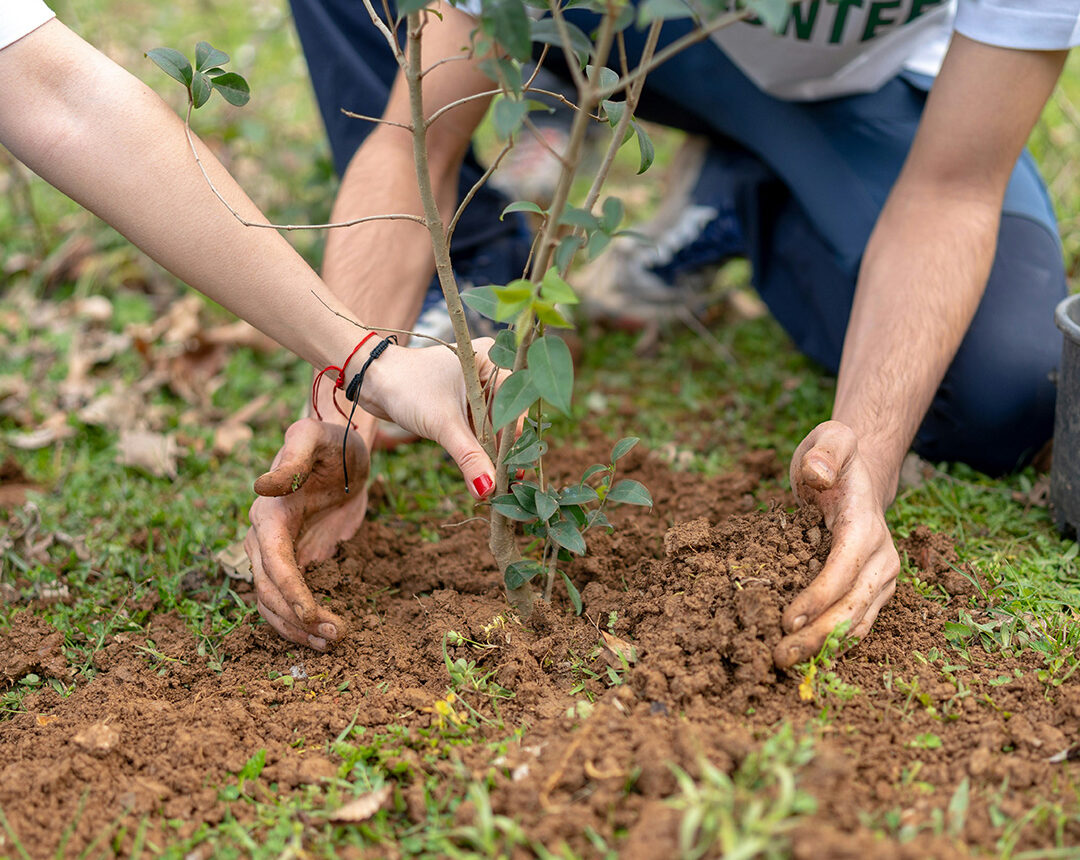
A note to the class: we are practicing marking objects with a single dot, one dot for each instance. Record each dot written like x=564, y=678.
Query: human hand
x=829, y=472
x=423, y=392
x=303, y=512
x=300, y=516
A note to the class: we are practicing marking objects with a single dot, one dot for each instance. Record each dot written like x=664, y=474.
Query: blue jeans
x=806, y=181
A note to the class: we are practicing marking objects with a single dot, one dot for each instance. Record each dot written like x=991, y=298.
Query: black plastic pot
x=1065, y=471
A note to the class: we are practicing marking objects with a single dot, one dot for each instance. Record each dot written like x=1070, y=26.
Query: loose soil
x=695, y=588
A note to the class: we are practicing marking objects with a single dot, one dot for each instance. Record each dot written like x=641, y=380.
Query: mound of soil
x=669, y=666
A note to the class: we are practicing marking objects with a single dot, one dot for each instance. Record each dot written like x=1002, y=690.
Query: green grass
x=760, y=394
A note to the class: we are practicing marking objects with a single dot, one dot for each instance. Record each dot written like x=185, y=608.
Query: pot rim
x=1067, y=317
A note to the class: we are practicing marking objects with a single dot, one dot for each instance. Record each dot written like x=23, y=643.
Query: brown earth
x=695, y=608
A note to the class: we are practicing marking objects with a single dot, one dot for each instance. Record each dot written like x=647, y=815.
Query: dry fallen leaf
x=229, y=436
x=155, y=453
x=365, y=806
x=1068, y=754
x=619, y=648
x=116, y=409
x=45, y=719
x=53, y=429
x=234, y=561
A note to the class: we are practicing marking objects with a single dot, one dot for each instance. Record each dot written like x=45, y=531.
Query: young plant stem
x=588, y=98
x=433, y=219
x=633, y=95
x=501, y=533
x=502, y=530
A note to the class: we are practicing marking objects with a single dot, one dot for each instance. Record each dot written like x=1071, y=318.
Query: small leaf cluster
x=559, y=518
x=207, y=76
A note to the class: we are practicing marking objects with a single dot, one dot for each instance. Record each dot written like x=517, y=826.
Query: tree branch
x=432, y=216
x=468, y=198
x=194, y=151
x=381, y=328
x=623, y=125
x=379, y=119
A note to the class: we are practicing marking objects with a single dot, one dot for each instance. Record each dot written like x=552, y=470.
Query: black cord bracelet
x=352, y=392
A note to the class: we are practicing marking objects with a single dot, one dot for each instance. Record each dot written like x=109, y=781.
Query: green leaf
x=512, y=299
x=574, y=217
x=200, y=89
x=546, y=32
x=958, y=808
x=514, y=396
x=407, y=7
x=598, y=241
x=520, y=572
x=507, y=116
x=645, y=147
x=554, y=289
x=525, y=493
x=207, y=56
x=604, y=77
x=546, y=505
x=505, y=72
x=576, y=513
x=630, y=492
x=663, y=10
x=594, y=469
x=566, y=535
x=548, y=314
x=575, y=595
x=521, y=206
x=233, y=88
x=774, y=13
x=482, y=300
x=614, y=111
x=503, y=351
x=578, y=495
x=599, y=518
x=623, y=447
x=508, y=506
x=612, y=214
x=564, y=253
x=508, y=23
x=527, y=456
x=254, y=765
x=552, y=371
x=173, y=63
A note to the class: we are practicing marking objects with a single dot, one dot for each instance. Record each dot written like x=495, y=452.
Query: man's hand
x=859, y=577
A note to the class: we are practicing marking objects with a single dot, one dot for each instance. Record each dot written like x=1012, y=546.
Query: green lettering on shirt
x=875, y=19
x=842, y=7
x=804, y=28
x=920, y=6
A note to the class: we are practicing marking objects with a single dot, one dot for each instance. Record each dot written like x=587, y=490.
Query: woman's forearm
x=109, y=142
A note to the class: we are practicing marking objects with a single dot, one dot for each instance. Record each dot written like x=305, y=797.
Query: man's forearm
x=921, y=281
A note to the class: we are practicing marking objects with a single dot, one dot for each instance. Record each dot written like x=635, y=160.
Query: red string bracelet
x=339, y=383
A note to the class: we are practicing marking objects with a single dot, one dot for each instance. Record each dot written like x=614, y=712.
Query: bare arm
x=922, y=278
x=912, y=309
x=109, y=142
x=389, y=289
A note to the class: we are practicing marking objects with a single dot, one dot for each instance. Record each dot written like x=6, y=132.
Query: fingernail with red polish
x=482, y=486
x=519, y=474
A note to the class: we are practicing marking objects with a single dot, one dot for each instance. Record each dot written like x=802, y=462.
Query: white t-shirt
x=19, y=17
x=839, y=47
